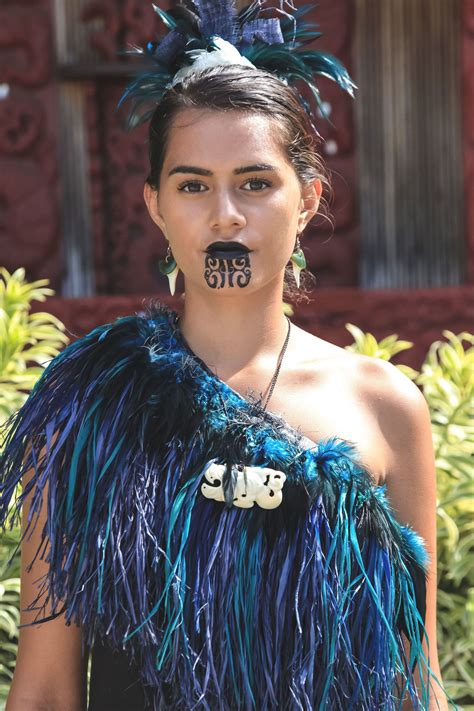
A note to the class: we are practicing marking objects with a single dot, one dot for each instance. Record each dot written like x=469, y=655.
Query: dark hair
x=242, y=88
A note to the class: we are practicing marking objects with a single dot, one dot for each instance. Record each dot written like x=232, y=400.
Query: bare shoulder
x=398, y=401
x=387, y=385
x=316, y=351
x=380, y=381
x=365, y=370
x=384, y=412
x=404, y=419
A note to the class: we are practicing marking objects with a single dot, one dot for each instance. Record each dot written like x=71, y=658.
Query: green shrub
x=27, y=342
x=447, y=383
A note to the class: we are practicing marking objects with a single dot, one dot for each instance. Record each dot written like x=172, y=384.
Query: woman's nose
x=226, y=211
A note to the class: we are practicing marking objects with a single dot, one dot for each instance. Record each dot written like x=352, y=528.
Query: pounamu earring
x=169, y=267
x=298, y=260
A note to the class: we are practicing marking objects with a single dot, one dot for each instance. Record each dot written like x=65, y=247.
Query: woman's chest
x=326, y=404
x=343, y=415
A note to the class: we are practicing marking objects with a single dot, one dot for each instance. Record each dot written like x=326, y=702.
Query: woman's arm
x=404, y=417
x=50, y=671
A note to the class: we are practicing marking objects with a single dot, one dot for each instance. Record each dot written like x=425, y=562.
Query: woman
x=214, y=548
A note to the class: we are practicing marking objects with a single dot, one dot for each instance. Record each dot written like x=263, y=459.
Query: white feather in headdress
x=225, y=53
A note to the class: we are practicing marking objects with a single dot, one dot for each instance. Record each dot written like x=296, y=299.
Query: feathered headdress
x=205, y=33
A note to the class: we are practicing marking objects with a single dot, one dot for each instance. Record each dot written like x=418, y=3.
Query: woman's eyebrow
x=238, y=171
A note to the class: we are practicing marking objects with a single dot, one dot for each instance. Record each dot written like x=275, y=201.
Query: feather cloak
x=304, y=606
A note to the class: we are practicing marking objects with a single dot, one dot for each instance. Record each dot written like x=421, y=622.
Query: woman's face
x=225, y=178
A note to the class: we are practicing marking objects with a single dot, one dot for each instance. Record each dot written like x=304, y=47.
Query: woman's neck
x=231, y=334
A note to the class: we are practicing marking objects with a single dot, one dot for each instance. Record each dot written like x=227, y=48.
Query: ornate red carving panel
x=29, y=234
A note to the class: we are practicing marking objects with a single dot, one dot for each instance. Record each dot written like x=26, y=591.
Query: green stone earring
x=169, y=267
x=298, y=261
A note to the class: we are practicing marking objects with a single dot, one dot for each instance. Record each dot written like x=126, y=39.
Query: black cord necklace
x=272, y=383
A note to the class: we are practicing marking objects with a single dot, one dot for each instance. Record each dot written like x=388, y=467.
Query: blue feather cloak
x=304, y=606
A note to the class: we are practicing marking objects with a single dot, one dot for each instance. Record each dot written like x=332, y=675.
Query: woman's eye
x=259, y=181
x=186, y=185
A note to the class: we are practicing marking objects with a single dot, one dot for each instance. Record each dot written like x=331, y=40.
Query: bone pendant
x=255, y=485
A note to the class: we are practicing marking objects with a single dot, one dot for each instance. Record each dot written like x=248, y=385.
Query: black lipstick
x=227, y=250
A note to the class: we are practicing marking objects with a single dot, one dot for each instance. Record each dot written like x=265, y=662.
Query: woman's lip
x=227, y=253
x=228, y=248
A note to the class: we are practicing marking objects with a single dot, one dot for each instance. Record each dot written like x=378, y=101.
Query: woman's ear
x=310, y=197
x=151, y=200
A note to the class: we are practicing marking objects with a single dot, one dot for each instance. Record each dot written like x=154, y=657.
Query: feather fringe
x=303, y=606
x=273, y=44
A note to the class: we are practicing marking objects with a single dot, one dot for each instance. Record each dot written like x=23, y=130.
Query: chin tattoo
x=227, y=271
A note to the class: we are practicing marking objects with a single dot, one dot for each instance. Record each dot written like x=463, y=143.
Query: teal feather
x=166, y=17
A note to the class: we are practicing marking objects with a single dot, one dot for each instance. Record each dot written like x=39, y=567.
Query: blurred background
x=401, y=256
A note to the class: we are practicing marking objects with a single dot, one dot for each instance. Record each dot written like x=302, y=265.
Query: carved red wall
x=29, y=225
x=127, y=246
